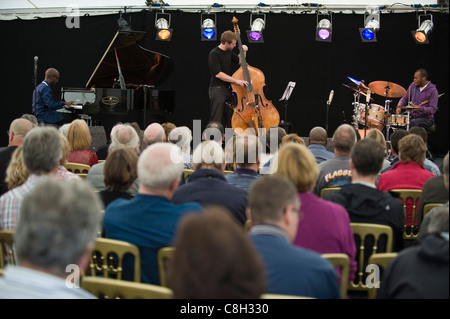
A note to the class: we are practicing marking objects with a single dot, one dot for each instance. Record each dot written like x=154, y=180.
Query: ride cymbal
x=387, y=89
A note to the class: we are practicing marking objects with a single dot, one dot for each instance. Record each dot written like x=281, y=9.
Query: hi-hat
x=387, y=89
x=353, y=88
x=358, y=83
x=410, y=108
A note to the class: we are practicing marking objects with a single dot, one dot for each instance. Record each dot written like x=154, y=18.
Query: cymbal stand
x=356, y=109
x=386, y=109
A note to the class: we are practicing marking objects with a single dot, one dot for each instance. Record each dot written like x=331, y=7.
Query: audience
x=421, y=271
x=168, y=127
x=182, y=136
x=317, y=142
x=120, y=172
x=214, y=130
x=246, y=155
x=63, y=173
x=41, y=151
x=362, y=200
x=376, y=135
x=325, y=226
x=154, y=133
x=31, y=118
x=336, y=171
x=208, y=186
x=274, y=209
x=225, y=266
x=53, y=233
x=149, y=220
x=80, y=139
x=427, y=163
x=395, y=139
x=16, y=133
x=293, y=138
x=274, y=138
x=16, y=173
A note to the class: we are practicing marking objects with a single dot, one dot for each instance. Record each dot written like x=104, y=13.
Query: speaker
x=98, y=135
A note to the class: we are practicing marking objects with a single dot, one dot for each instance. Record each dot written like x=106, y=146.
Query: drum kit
x=367, y=116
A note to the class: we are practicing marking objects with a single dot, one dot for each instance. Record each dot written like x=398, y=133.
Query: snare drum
x=398, y=120
x=376, y=116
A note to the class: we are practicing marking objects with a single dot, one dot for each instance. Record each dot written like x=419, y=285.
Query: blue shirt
x=320, y=153
x=45, y=105
x=292, y=270
x=148, y=222
x=242, y=178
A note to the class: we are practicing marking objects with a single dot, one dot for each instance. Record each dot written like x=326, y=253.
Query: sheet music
x=287, y=93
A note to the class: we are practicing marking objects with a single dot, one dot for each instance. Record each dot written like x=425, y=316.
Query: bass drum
x=376, y=116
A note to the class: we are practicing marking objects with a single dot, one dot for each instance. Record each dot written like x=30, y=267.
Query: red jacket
x=404, y=176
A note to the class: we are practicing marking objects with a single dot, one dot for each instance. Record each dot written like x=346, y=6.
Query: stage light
x=371, y=27
x=163, y=31
x=421, y=34
x=208, y=29
x=255, y=33
x=324, y=30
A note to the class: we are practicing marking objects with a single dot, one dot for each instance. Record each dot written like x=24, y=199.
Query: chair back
x=164, y=255
x=428, y=207
x=6, y=248
x=342, y=262
x=77, y=168
x=107, y=288
x=369, y=235
x=108, y=255
x=325, y=190
x=410, y=200
x=381, y=260
x=247, y=225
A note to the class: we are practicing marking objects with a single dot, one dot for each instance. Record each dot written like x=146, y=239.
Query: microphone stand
x=33, y=111
x=326, y=122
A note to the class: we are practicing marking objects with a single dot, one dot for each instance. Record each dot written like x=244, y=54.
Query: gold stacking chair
x=6, y=248
x=363, y=231
x=411, y=231
x=107, y=258
x=428, y=207
x=325, y=190
x=77, y=168
x=164, y=255
x=107, y=288
x=247, y=225
x=280, y=296
x=381, y=260
x=343, y=262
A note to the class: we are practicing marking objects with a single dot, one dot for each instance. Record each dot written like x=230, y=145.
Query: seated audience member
x=182, y=136
x=362, y=200
x=317, y=142
x=16, y=133
x=63, y=129
x=218, y=242
x=293, y=138
x=421, y=271
x=208, y=186
x=80, y=139
x=102, y=150
x=336, y=171
x=154, y=133
x=395, y=138
x=31, y=118
x=427, y=163
x=274, y=137
x=409, y=172
x=16, y=173
x=120, y=172
x=168, y=127
x=325, y=226
x=122, y=136
x=63, y=173
x=41, y=151
x=53, y=242
x=246, y=156
x=434, y=191
x=378, y=137
x=140, y=134
x=149, y=220
x=274, y=209
x=214, y=131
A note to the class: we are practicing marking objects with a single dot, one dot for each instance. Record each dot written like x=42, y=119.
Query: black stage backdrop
x=289, y=53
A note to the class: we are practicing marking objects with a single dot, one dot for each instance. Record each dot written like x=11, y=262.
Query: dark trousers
x=220, y=112
x=421, y=121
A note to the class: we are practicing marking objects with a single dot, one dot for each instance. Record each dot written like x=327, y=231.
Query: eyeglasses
x=57, y=77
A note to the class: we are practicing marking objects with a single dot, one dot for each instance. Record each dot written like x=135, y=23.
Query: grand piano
x=124, y=85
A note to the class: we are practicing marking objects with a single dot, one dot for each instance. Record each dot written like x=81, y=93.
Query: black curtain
x=289, y=53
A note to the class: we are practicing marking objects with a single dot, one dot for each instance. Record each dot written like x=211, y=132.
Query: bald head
x=154, y=133
x=52, y=76
x=344, y=138
x=17, y=131
x=318, y=135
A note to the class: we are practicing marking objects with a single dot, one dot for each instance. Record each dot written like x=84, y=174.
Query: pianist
x=45, y=108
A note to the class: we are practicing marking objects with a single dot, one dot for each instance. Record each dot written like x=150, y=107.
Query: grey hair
x=124, y=136
x=159, y=165
x=344, y=138
x=63, y=129
x=209, y=154
x=181, y=136
x=445, y=167
x=42, y=149
x=56, y=231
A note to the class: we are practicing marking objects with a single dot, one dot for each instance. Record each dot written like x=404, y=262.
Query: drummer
x=424, y=95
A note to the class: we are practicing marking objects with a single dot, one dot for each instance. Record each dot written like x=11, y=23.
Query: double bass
x=253, y=110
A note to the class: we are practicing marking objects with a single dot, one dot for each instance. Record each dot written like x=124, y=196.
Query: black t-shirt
x=221, y=61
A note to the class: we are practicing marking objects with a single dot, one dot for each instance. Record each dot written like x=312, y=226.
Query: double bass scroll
x=252, y=106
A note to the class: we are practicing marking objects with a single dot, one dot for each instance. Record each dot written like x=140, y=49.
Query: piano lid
x=139, y=66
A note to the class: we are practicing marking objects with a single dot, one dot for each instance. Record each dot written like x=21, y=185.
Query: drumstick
x=425, y=102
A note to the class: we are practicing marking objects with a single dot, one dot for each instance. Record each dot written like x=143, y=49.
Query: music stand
x=286, y=95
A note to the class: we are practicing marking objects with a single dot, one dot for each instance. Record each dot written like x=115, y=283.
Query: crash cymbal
x=387, y=89
x=358, y=83
x=410, y=108
x=354, y=88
